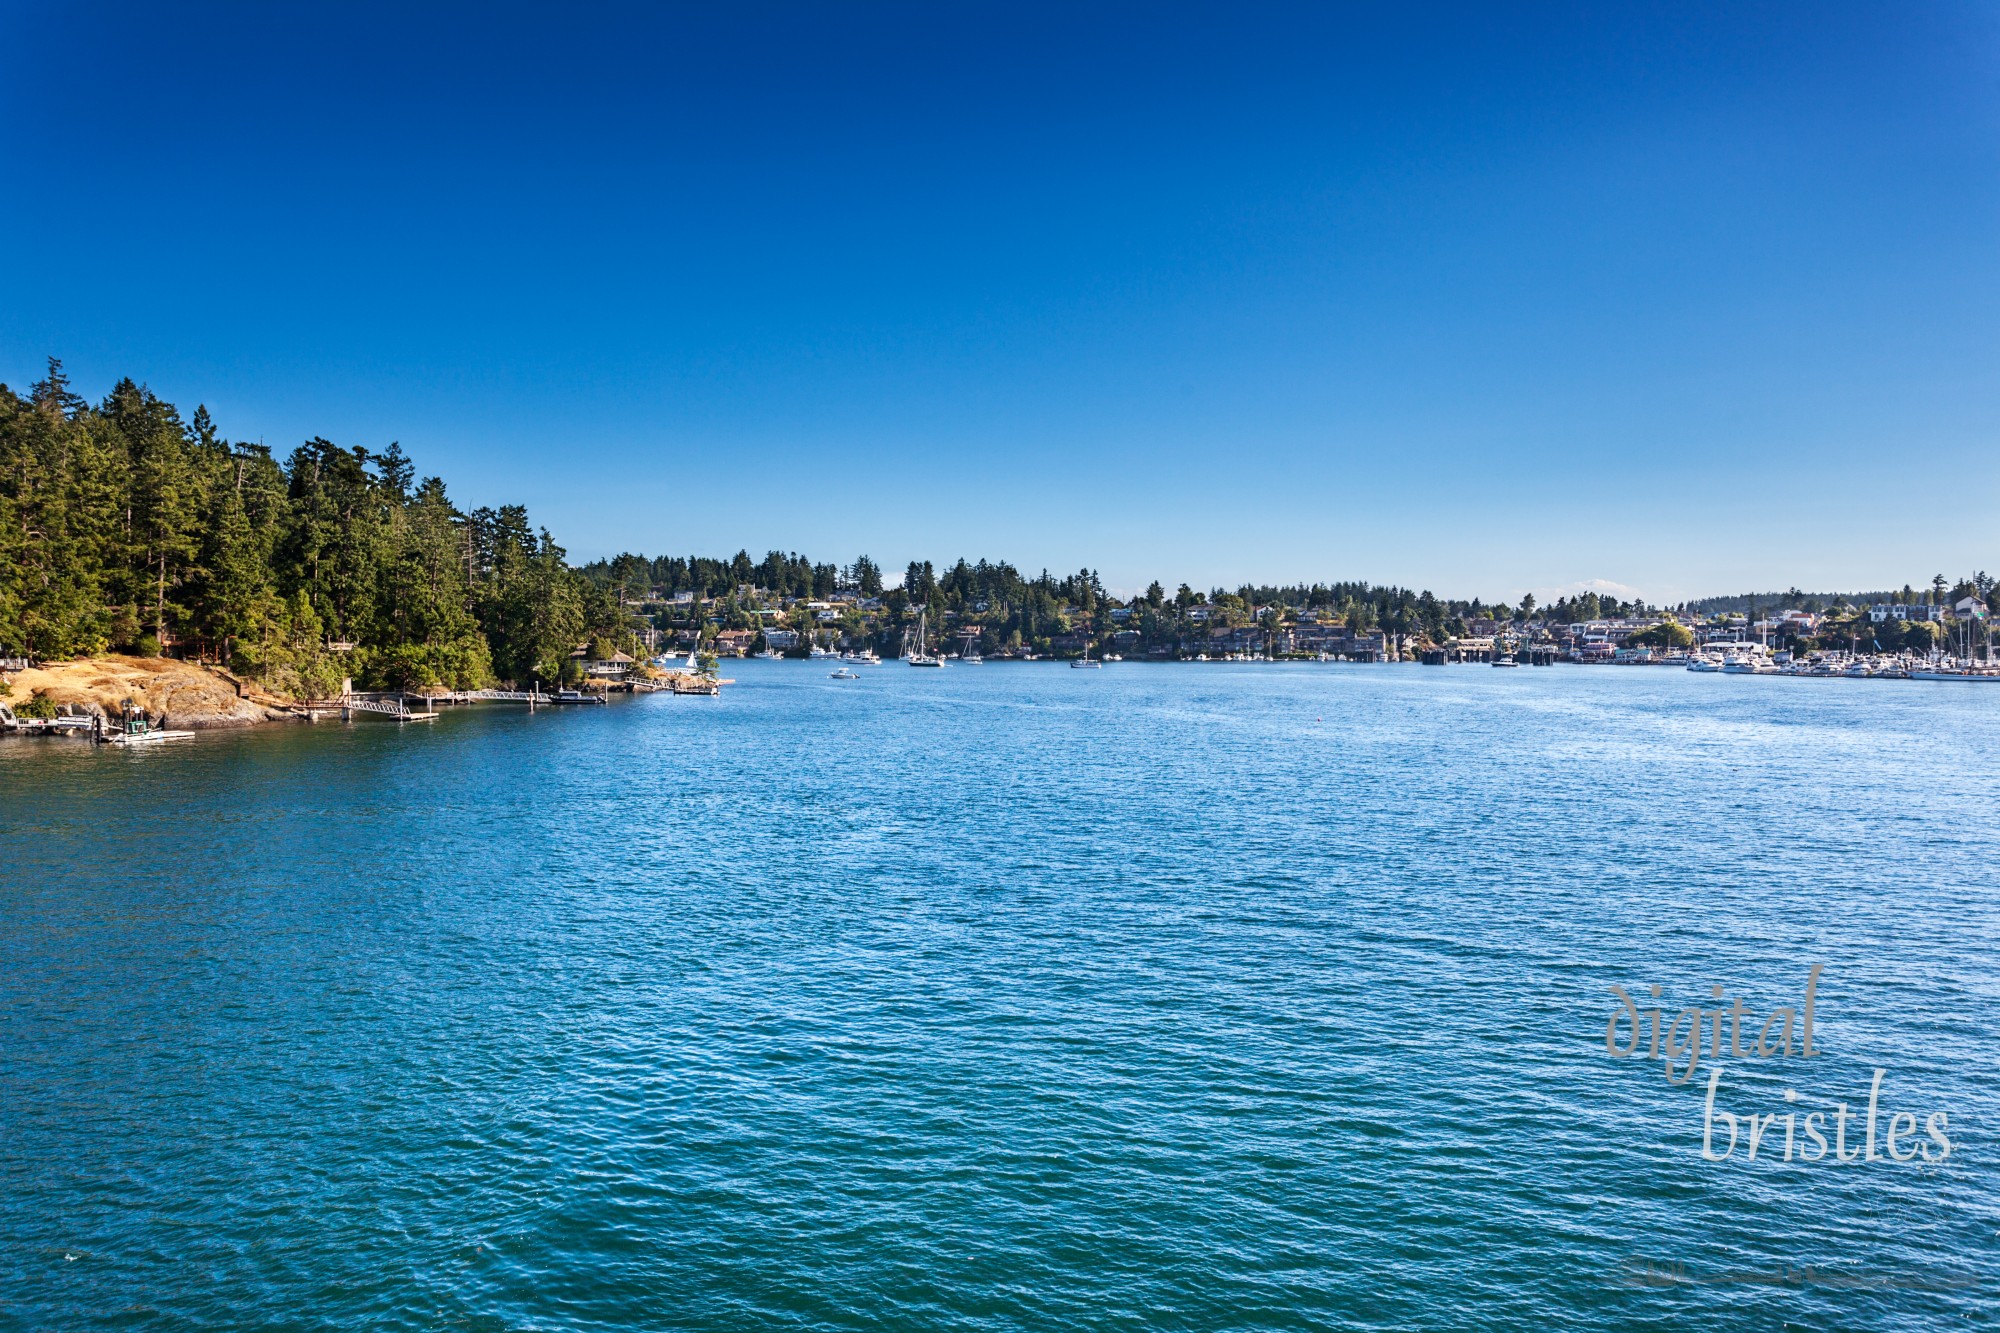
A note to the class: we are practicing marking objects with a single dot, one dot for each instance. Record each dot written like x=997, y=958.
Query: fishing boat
x=135, y=728
x=1505, y=662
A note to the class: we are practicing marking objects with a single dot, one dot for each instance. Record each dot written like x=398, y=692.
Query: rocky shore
x=184, y=695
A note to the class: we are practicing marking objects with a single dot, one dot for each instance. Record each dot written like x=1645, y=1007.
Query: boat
x=133, y=728
x=577, y=697
x=145, y=737
x=1505, y=662
x=842, y=673
x=1085, y=660
x=1951, y=671
x=922, y=657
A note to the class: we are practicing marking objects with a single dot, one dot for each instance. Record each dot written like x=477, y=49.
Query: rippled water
x=1001, y=997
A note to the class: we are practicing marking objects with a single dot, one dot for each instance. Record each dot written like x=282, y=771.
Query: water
x=1008, y=997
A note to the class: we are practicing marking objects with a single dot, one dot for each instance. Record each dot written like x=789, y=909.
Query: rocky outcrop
x=182, y=695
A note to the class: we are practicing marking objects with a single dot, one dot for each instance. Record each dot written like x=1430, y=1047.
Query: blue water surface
x=1004, y=997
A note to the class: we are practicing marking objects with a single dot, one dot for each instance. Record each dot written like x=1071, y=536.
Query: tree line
x=1010, y=607
x=125, y=527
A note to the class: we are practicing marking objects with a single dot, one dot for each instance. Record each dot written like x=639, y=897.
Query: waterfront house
x=1369, y=647
x=615, y=667
x=1245, y=639
x=1317, y=638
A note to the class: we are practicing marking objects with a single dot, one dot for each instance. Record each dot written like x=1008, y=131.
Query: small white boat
x=145, y=737
x=844, y=674
x=132, y=729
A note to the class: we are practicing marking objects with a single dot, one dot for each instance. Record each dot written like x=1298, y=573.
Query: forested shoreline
x=126, y=528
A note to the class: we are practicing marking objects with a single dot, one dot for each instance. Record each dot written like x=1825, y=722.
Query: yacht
x=842, y=673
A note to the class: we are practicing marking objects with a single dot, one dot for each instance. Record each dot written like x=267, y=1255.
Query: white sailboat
x=922, y=657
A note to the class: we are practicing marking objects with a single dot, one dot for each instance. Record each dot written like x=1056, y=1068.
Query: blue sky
x=1676, y=298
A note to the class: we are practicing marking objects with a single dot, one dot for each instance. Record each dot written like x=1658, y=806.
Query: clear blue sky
x=1487, y=299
